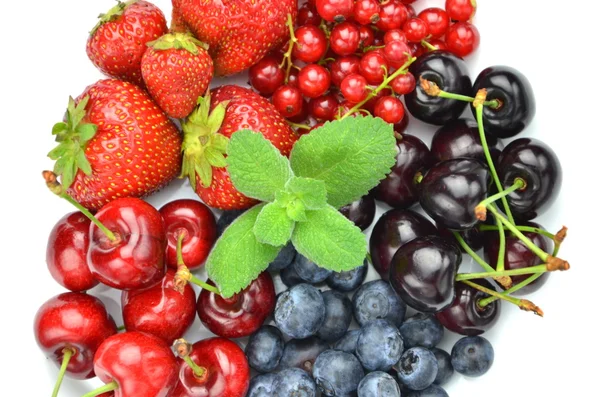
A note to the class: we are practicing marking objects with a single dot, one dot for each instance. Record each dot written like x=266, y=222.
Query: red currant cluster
x=347, y=56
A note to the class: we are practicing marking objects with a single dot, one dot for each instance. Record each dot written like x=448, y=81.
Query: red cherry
x=390, y=109
x=410, y=9
x=437, y=19
x=392, y=15
x=307, y=15
x=345, y=38
x=335, y=10
x=288, y=101
x=66, y=253
x=266, y=76
x=313, y=80
x=342, y=67
x=373, y=66
x=135, y=259
x=396, y=53
x=403, y=84
x=311, y=44
x=367, y=36
x=366, y=12
x=461, y=10
x=415, y=29
x=394, y=35
x=323, y=107
x=354, y=88
x=462, y=39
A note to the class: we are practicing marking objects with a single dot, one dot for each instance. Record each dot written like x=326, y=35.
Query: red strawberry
x=177, y=70
x=206, y=134
x=115, y=142
x=118, y=42
x=238, y=32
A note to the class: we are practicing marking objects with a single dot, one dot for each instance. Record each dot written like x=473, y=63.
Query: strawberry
x=206, y=133
x=238, y=32
x=177, y=70
x=115, y=142
x=117, y=43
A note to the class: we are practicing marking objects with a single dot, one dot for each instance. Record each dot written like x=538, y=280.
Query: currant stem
x=103, y=389
x=432, y=89
x=428, y=45
x=298, y=126
x=67, y=354
x=515, y=272
x=287, y=57
x=183, y=275
x=486, y=301
x=523, y=304
x=183, y=349
x=480, y=209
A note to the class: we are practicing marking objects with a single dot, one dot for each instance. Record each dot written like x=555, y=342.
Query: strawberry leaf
x=68, y=171
x=59, y=128
x=273, y=226
x=83, y=163
x=86, y=132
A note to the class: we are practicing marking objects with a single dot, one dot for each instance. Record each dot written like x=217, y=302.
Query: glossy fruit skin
x=307, y=15
x=538, y=165
x=344, y=39
x=335, y=10
x=464, y=316
x=136, y=260
x=311, y=45
x=450, y=73
x=422, y=273
x=392, y=230
x=342, y=67
x=197, y=223
x=390, y=109
x=461, y=10
x=452, y=189
x=323, y=107
x=228, y=370
x=437, y=20
x=473, y=237
x=302, y=353
x=288, y=101
x=462, y=39
x=160, y=310
x=73, y=320
x=416, y=29
x=392, y=15
x=266, y=76
x=472, y=356
x=243, y=313
x=313, y=80
x=361, y=212
x=66, y=252
x=399, y=189
x=514, y=90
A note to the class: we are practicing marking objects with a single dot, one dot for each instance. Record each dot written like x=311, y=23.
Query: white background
x=43, y=61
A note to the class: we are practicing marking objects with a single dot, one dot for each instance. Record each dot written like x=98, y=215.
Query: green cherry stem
x=103, y=389
x=287, y=57
x=515, y=272
x=523, y=304
x=480, y=209
x=183, y=274
x=486, y=301
x=183, y=349
x=67, y=354
x=501, y=247
x=432, y=89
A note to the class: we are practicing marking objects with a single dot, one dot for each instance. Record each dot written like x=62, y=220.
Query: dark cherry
x=518, y=256
x=450, y=73
x=243, y=313
x=537, y=164
x=66, y=253
x=464, y=316
x=514, y=91
x=451, y=190
x=391, y=231
x=473, y=237
x=399, y=189
x=422, y=272
x=361, y=211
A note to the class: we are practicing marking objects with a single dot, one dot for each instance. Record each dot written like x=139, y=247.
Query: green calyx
x=203, y=146
x=112, y=14
x=178, y=41
x=72, y=136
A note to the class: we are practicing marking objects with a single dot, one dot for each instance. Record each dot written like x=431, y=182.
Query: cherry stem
x=480, y=209
x=486, y=301
x=523, y=304
x=121, y=327
x=184, y=275
x=472, y=253
x=428, y=45
x=183, y=349
x=287, y=57
x=67, y=354
x=529, y=229
x=432, y=89
x=501, y=247
x=299, y=126
x=515, y=272
x=103, y=389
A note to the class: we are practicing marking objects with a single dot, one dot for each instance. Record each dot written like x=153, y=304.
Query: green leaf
x=58, y=151
x=83, y=163
x=311, y=192
x=255, y=166
x=273, y=226
x=351, y=156
x=330, y=240
x=296, y=211
x=204, y=171
x=68, y=172
x=238, y=257
x=86, y=131
x=59, y=127
x=214, y=157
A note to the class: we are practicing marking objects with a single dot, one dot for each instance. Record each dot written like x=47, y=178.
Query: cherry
x=391, y=231
x=396, y=53
x=410, y=9
x=323, y=107
x=461, y=10
x=474, y=237
x=354, y=88
x=307, y=15
x=462, y=39
x=464, y=316
x=345, y=38
x=415, y=29
x=266, y=76
x=243, y=313
x=66, y=253
x=437, y=19
x=193, y=223
x=450, y=191
x=403, y=84
x=342, y=67
x=311, y=44
x=313, y=81
x=373, y=66
x=288, y=101
x=392, y=15
x=366, y=12
x=394, y=35
x=389, y=109
x=422, y=272
x=335, y=10
x=401, y=127
x=399, y=189
x=361, y=212
x=210, y=368
x=160, y=310
x=366, y=35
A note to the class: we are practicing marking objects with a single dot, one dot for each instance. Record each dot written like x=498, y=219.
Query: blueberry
x=337, y=373
x=422, y=330
x=300, y=311
x=431, y=391
x=417, y=368
x=377, y=299
x=348, y=281
x=264, y=348
x=294, y=382
x=302, y=353
x=347, y=343
x=261, y=386
x=379, y=345
x=378, y=384
x=445, y=369
x=226, y=218
x=289, y=277
x=309, y=271
x=283, y=259
x=472, y=356
x=338, y=316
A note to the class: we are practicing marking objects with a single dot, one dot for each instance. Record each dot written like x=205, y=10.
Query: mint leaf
x=255, y=166
x=330, y=240
x=238, y=258
x=311, y=192
x=296, y=211
x=273, y=226
x=351, y=156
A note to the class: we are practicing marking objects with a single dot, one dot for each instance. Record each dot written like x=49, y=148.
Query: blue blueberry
x=350, y=280
x=264, y=348
x=283, y=259
x=226, y=218
x=378, y=384
x=309, y=271
x=337, y=373
x=289, y=277
x=472, y=356
x=379, y=345
x=417, y=368
x=347, y=343
x=422, y=330
x=377, y=299
x=431, y=391
x=302, y=353
x=294, y=382
x=261, y=386
x=300, y=311
x=338, y=316
x=445, y=369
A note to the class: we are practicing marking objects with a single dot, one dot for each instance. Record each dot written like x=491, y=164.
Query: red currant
x=462, y=38
x=311, y=44
x=394, y=35
x=354, y=88
x=396, y=53
x=438, y=44
x=335, y=10
x=323, y=107
x=415, y=29
x=366, y=12
x=392, y=15
x=293, y=77
x=461, y=10
x=313, y=80
x=369, y=106
x=408, y=1
x=344, y=39
x=437, y=20
x=342, y=67
x=404, y=84
x=307, y=15
x=367, y=36
x=343, y=108
x=390, y=109
x=266, y=76
x=302, y=117
x=373, y=66
x=288, y=101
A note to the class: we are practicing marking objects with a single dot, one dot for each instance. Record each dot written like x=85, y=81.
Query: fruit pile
x=294, y=169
